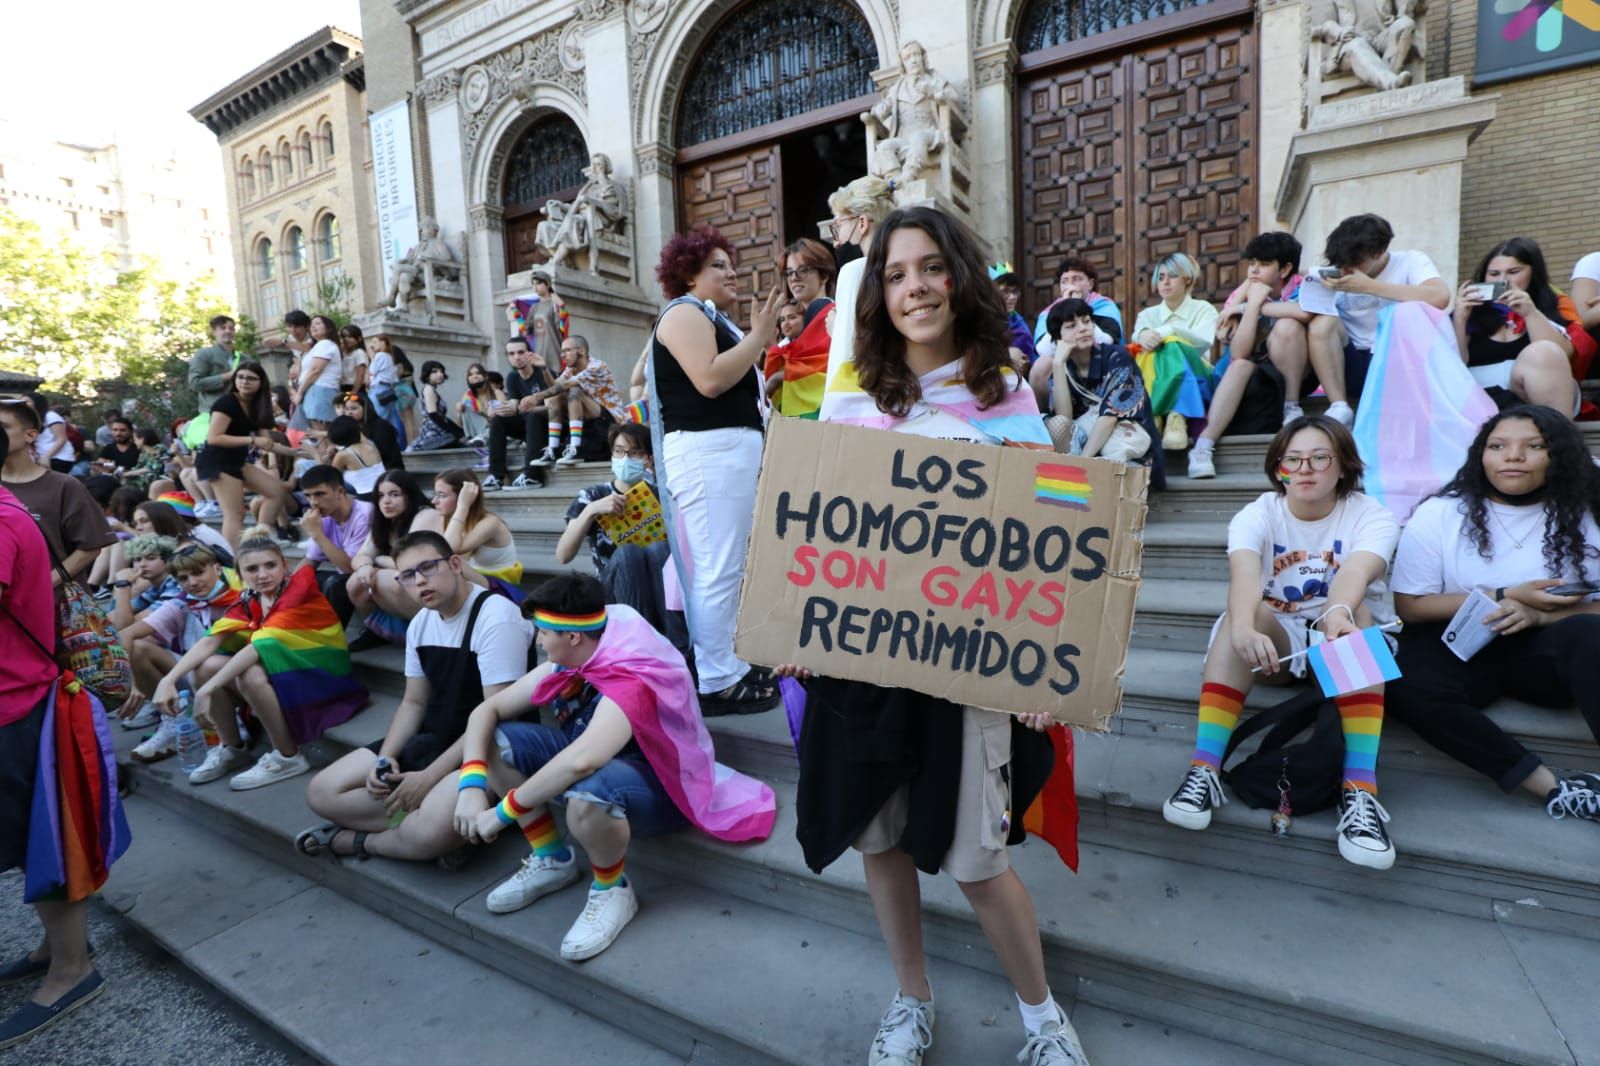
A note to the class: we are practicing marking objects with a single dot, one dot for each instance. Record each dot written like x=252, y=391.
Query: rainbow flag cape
x=804, y=362
x=1419, y=410
x=1176, y=378
x=1014, y=420
x=639, y=670
x=76, y=827
x=303, y=651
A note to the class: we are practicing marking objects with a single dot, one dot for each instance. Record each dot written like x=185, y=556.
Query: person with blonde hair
x=857, y=209
x=1174, y=336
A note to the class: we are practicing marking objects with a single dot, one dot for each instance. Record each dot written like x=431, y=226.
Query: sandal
x=757, y=691
x=314, y=842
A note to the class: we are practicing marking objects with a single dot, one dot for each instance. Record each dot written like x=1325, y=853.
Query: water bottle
x=385, y=768
x=191, y=743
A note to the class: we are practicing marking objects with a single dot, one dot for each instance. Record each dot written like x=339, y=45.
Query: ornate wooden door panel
x=1195, y=157
x=741, y=195
x=1072, y=176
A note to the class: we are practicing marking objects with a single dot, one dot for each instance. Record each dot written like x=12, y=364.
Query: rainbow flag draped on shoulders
x=804, y=362
x=1014, y=420
x=1419, y=410
x=302, y=648
x=1176, y=378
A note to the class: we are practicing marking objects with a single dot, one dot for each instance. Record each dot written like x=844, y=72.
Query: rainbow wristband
x=509, y=811
x=474, y=774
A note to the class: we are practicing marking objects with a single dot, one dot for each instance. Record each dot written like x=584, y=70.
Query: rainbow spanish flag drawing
x=1062, y=486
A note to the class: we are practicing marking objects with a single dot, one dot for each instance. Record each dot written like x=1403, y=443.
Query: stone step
x=1176, y=614
x=1209, y=500
x=341, y=981
x=1191, y=548
x=772, y=986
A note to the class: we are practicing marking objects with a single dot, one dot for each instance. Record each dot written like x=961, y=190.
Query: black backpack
x=1314, y=768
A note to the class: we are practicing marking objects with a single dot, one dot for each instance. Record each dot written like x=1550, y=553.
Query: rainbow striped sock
x=1219, y=713
x=544, y=840
x=575, y=432
x=1361, y=718
x=608, y=876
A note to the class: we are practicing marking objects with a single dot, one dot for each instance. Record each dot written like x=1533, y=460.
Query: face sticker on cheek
x=949, y=284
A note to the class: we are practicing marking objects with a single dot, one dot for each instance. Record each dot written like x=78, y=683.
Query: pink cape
x=640, y=671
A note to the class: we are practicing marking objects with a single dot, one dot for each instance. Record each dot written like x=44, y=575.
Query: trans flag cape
x=1419, y=410
x=640, y=671
x=1014, y=420
x=1176, y=378
x=804, y=362
x=302, y=649
x=76, y=828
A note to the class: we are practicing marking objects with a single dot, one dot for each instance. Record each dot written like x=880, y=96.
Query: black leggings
x=1442, y=698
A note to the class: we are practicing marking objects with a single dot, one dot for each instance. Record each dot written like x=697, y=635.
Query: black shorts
x=19, y=763
x=212, y=462
x=418, y=753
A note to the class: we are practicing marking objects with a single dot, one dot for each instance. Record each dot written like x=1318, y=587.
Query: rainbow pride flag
x=639, y=411
x=302, y=648
x=804, y=362
x=1014, y=420
x=1062, y=486
x=1419, y=410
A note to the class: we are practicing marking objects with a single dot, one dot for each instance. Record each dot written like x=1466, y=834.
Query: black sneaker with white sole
x=1577, y=796
x=1362, y=838
x=1190, y=807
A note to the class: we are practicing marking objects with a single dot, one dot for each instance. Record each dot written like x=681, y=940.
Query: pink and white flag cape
x=639, y=670
x=1353, y=662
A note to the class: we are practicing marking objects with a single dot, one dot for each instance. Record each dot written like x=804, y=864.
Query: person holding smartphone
x=1519, y=522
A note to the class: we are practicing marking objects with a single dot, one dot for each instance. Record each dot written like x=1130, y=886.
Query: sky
x=90, y=71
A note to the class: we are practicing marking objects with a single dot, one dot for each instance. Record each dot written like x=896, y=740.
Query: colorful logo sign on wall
x=1517, y=38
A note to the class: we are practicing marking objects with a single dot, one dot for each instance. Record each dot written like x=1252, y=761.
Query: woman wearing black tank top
x=709, y=395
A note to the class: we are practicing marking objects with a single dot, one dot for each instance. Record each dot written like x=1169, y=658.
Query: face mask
x=629, y=471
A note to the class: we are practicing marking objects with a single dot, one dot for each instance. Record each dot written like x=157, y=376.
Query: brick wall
x=1532, y=171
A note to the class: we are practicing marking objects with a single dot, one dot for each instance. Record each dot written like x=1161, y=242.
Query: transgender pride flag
x=1419, y=410
x=1352, y=663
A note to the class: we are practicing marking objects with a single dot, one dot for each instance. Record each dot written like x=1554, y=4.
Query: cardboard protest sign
x=996, y=577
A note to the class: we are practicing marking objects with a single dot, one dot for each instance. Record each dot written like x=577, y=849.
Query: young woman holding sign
x=1307, y=558
x=909, y=780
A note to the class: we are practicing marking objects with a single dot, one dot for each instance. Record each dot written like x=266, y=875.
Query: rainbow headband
x=570, y=623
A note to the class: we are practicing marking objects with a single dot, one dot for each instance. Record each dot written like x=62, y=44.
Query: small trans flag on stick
x=1354, y=662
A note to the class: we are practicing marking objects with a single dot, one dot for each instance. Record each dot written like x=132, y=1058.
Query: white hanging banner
x=394, y=183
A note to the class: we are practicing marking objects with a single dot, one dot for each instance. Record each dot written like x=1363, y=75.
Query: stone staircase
x=1169, y=947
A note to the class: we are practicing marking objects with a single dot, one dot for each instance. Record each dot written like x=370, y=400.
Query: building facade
x=294, y=145
x=1119, y=130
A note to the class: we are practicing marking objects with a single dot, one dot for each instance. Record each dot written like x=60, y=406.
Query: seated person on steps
x=337, y=525
x=1175, y=395
x=464, y=645
x=1306, y=563
x=520, y=414
x=586, y=390
x=1086, y=371
x=1518, y=522
x=374, y=587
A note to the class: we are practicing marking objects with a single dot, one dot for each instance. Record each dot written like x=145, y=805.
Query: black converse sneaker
x=1578, y=796
x=1362, y=838
x=1190, y=806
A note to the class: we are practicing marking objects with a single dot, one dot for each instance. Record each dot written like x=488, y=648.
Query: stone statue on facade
x=598, y=212
x=911, y=127
x=1371, y=40
x=427, y=265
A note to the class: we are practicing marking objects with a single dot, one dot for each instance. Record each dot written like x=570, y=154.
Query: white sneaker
x=568, y=457
x=1201, y=464
x=523, y=481
x=603, y=917
x=1342, y=413
x=147, y=716
x=1292, y=411
x=161, y=744
x=220, y=760
x=1055, y=1044
x=208, y=509
x=1362, y=838
x=546, y=457
x=537, y=876
x=904, y=1034
x=270, y=768
x=1190, y=807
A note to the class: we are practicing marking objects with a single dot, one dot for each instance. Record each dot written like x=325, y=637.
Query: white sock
x=1203, y=444
x=1035, y=1017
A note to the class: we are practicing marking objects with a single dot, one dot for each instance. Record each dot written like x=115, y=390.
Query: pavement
x=152, y=1013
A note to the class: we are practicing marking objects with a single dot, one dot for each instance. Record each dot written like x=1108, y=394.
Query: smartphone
x=1329, y=273
x=1488, y=291
x=1577, y=588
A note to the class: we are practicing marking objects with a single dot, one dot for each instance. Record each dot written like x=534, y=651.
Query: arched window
x=285, y=160
x=1047, y=23
x=296, y=242
x=546, y=163
x=306, y=159
x=771, y=61
x=247, y=180
x=325, y=134
x=328, y=246
x=264, y=166
x=266, y=263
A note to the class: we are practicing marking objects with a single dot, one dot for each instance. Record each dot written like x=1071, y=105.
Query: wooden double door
x=742, y=196
x=1129, y=155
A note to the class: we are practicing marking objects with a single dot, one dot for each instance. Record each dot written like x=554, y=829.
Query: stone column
x=990, y=149
x=1281, y=59
x=486, y=261
x=443, y=120
x=655, y=220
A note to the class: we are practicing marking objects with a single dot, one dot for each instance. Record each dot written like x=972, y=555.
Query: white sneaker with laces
x=147, y=716
x=604, y=916
x=1342, y=413
x=568, y=457
x=539, y=875
x=546, y=457
x=905, y=1033
x=523, y=481
x=1362, y=838
x=220, y=760
x=1291, y=411
x=1190, y=807
x=1201, y=463
x=1055, y=1044
x=160, y=744
x=269, y=769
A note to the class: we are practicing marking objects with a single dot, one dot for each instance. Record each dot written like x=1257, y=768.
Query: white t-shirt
x=330, y=376
x=1437, y=555
x=1359, y=311
x=499, y=641
x=352, y=360
x=1299, y=560
x=842, y=338
x=54, y=429
x=1587, y=267
x=210, y=537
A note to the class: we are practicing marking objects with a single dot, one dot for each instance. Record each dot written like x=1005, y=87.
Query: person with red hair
x=706, y=424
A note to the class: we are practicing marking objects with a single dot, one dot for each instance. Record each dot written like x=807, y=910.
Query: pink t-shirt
x=26, y=599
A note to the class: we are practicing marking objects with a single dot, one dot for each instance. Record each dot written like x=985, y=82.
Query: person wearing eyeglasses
x=800, y=366
x=1306, y=564
x=857, y=209
x=464, y=645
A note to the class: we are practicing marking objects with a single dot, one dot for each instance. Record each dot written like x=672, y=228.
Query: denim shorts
x=626, y=786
